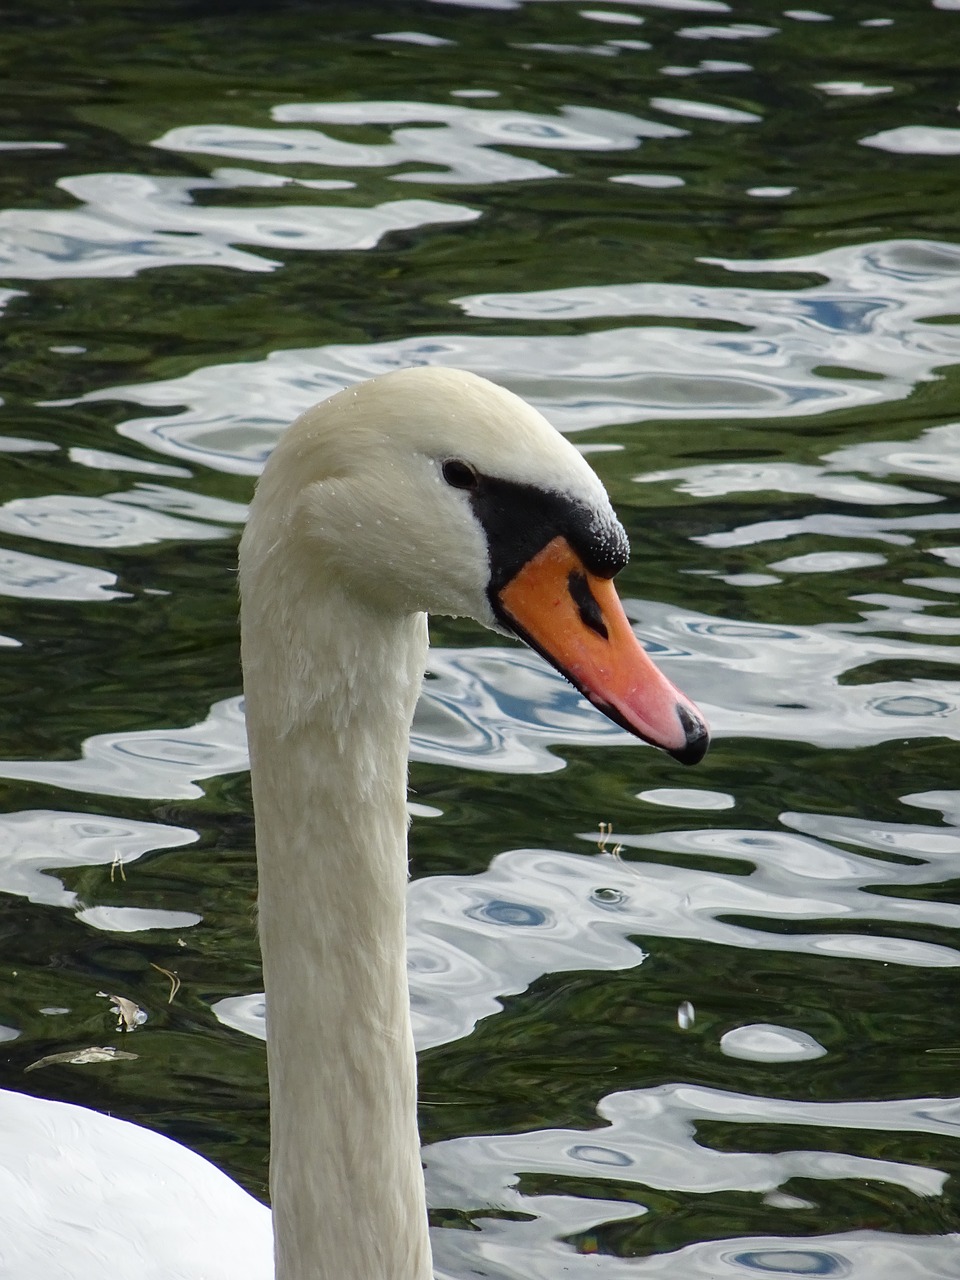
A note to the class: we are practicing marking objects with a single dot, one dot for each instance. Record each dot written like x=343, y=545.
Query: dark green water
x=720, y=245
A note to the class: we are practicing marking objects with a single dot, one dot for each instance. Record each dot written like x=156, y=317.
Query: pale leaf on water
x=82, y=1057
x=129, y=1014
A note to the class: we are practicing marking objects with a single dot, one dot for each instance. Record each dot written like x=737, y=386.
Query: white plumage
x=84, y=1196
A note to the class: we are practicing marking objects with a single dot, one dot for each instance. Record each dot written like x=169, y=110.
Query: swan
x=425, y=490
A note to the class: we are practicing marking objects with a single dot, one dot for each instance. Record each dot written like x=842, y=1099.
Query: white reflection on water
x=135, y=518
x=128, y=222
x=717, y=479
x=493, y=709
x=707, y=66
x=657, y=181
x=731, y=31
x=870, y=316
x=934, y=455
x=113, y=919
x=679, y=6
x=470, y=944
x=414, y=37
x=152, y=764
x=916, y=139
x=7, y=295
x=933, y=847
x=948, y=802
x=613, y=16
x=687, y=798
x=696, y=110
x=472, y=937
x=766, y=1042
x=829, y=562
x=33, y=844
x=857, y=334
x=28, y=577
x=895, y=531
x=504, y=1250
x=459, y=144
x=852, y=88
x=608, y=50
x=17, y=444
x=107, y=460
x=503, y=709
x=869, y=323
x=780, y=682
x=650, y=1137
x=477, y=938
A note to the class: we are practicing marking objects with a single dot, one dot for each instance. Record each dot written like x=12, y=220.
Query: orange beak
x=575, y=619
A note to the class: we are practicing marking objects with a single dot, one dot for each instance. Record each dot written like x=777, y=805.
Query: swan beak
x=576, y=621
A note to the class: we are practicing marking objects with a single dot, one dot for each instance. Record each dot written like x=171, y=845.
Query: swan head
x=433, y=490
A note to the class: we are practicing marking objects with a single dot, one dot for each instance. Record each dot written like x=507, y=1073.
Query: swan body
x=95, y=1196
x=424, y=490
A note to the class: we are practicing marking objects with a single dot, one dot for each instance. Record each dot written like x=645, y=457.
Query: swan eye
x=460, y=474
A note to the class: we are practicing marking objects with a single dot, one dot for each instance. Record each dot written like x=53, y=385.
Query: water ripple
x=475, y=939
x=151, y=764
x=28, y=577
x=916, y=139
x=704, y=111
x=503, y=709
x=535, y=1249
x=739, y=672
x=35, y=843
x=718, y=479
x=650, y=1137
x=132, y=519
x=459, y=144
x=764, y=1042
x=861, y=658
x=130, y=221
x=897, y=531
x=497, y=708
x=871, y=320
x=471, y=937
x=729, y=31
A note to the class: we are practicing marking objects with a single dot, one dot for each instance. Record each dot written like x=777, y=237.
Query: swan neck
x=331, y=693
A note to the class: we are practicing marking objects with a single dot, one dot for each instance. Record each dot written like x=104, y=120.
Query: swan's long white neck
x=331, y=693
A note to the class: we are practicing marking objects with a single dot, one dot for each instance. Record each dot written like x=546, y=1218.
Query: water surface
x=672, y=1024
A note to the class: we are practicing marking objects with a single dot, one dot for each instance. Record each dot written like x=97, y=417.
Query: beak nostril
x=591, y=615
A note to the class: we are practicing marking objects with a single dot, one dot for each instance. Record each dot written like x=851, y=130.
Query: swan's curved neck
x=331, y=690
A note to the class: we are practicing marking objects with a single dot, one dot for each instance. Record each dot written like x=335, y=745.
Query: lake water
x=674, y=1023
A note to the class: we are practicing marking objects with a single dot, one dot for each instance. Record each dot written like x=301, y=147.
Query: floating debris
x=170, y=974
x=129, y=1014
x=605, y=833
x=82, y=1057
